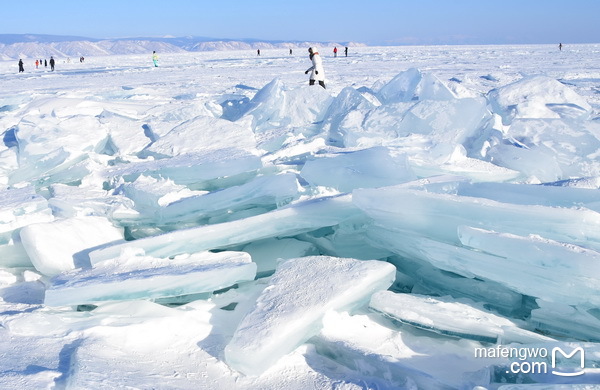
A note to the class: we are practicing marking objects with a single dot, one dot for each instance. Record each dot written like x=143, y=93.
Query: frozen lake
x=216, y=223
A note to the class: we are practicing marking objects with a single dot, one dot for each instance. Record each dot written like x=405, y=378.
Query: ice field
x=216, y=223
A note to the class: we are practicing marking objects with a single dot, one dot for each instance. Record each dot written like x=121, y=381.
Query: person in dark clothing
x=258, y=52
x=346, y=51
x=21, y=68
x=52, y=63
x=45, y=63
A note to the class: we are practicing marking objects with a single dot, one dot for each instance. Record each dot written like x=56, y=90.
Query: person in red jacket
x=335, y=51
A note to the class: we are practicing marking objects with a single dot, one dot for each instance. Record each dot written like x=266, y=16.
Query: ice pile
x=276, y=226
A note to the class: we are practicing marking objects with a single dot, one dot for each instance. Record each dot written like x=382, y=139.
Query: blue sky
x=367, y=21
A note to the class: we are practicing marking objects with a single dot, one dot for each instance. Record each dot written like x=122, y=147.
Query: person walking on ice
x=155, y=59
x=335, y=51
x=318, y=74
x=21, y=68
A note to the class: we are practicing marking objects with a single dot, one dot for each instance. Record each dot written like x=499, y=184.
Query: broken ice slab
x=567, y=321
x=429, y=280
x=274, y=106
x=50, y=146
x=549, y=149
x=538, y=97
x=348, y=103
x=12, y=254
x=412, y=85
x=266, y=192
x=445, y=315
x=208, y=134
x=438, y=216
x=548, y=269
x=290, y=309
x=367, y=168
x=408, y=360
x=39, y=135
x=195, y=170
x=287, y=221
x=136, y=276
x=267, y=253
x=452, y=160
x=62, y=245
x=126, y=136
x=20, y=207
x=548, y=282
x=527, y=194
x=83, y=200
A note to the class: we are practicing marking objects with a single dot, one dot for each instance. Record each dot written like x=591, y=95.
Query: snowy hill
x=14, y=46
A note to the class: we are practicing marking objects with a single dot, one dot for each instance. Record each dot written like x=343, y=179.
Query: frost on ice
x=290, y=309
x=250, y=227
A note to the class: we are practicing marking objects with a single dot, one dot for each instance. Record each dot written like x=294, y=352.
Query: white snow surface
x=216, y=223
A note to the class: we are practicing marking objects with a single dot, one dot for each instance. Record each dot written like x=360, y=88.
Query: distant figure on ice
x=346, y=51
x=155, y=59
x=335, y=51
x=290, y=51
x=52, y=63
x=36, y=63
x=45, y=63
x=560, y=46
x=318, y=73
x=258, y=52
x=21, y=68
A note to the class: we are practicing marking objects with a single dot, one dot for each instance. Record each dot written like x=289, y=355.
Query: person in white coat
x=318, y=74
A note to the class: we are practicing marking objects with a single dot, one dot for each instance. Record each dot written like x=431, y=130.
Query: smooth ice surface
x=374, y=167
x=438, y=216
x=288, y=221
x=542, y=265
x=134, y=275
x=62, y=245
x=290, y=309
x=269, y=252
x=446, y=316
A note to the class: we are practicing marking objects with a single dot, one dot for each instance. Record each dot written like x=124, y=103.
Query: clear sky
x=368, y=21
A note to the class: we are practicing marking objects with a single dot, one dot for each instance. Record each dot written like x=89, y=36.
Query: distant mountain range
x=14, y=46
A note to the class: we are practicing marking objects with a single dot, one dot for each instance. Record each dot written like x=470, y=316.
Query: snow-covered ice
x=291, y=307
x=216, y=223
